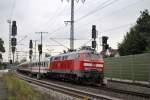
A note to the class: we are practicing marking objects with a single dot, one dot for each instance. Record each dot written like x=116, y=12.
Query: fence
x=132, y=67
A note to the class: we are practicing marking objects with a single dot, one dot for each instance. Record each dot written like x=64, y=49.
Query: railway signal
x=93, y=44
x=94, y=36
x=104, y=40
x=94, y=32
x=14, y=28
x=40, y=49
x=13, y=49
x=13, y=41
x=31, y=44
x=30, y=49
x=10, y=61
x=106, y=46
x=104, y=43
x=30, y=52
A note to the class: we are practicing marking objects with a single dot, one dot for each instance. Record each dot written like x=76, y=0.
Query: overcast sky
x=113, y=18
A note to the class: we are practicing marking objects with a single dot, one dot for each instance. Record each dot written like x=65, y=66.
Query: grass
x=19, y=90
x=0, y=66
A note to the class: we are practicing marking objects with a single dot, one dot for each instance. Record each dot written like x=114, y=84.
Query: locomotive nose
x=93, y=66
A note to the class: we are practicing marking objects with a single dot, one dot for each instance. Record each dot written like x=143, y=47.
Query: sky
x=113, y=18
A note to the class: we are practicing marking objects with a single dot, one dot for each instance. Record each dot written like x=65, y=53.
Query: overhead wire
x=121, y=9
x=62, y=27
x=115, y=12
x=98, y=8
x=85, y=43
x=12, y=9
x=91, y=12
x=118, y=27
x=53, y=19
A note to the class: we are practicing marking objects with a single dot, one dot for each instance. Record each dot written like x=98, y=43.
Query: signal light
x=30, y=56
x=30, y=52
x=106, y=46
x=93, y=44
x=30, y=44
x=104, y=40
x=13, y=41
x=13, y=49
x=40, y=48
x=14, y=28
x=94, y=31
x=10, y=61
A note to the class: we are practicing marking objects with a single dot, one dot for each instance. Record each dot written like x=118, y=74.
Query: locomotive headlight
x=87, y=64
x=99, y=65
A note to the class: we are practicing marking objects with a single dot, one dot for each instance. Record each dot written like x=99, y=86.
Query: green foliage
x=2, y=49
x=19, y=90
x=137, y=40
x=0, y=66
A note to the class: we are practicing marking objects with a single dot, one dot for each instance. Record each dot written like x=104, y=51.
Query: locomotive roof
x=62, y=54
x=74, y=52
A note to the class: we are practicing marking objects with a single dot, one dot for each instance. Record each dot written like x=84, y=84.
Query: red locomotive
x=80, y=66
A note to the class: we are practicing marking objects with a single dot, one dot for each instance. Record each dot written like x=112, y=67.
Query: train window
x=90, y=56
x=73, y=56
x=57, y=58
x=77, y=56
x=39, y=63
x=65, y=57
x=44, y=64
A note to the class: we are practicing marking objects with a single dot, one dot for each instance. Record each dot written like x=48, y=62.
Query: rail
x=66, y=90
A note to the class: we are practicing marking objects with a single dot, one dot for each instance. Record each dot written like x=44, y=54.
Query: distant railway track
x=67, y=90
x=137, y=94
x=80, y=93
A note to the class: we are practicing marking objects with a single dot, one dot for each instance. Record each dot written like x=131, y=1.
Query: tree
x=2, y=49
x=137, y=40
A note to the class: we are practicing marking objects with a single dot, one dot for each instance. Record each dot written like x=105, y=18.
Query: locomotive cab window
x=92, y=56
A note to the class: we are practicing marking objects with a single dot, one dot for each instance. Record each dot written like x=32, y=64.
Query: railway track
x=67, y=90
x=81, y=93
x=137, y=94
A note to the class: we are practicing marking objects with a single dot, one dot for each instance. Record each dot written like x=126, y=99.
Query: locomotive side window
x=65, y=57
x=46, y=64
x=73, y=56
x=43, y=64
x=57, y=58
